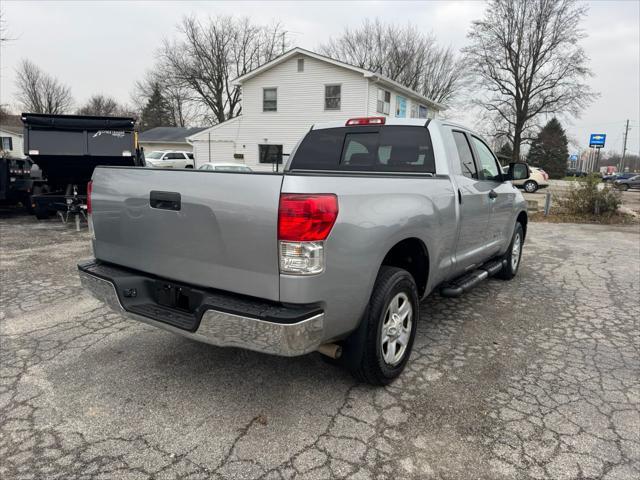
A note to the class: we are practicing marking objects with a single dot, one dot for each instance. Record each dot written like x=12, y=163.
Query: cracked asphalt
x=534, y=378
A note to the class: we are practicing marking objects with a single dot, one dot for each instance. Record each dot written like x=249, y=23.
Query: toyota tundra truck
x=333, y=254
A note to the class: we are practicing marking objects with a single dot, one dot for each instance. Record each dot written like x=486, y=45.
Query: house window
x=301, y=64
x=384, y=101
x=332, y=95
x=401, y=107
x=422, y=111
x=414, y=110
x=7, y=143
x=270, y=153
x=270, y=100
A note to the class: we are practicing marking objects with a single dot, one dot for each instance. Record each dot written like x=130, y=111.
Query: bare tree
x=39, y=92
x=404, y=54
x=179, y=97
x=526, y=58
x=4, y=36
x=208, y=56
x=101, y=105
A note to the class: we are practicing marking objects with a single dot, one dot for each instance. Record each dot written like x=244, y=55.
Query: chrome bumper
x=225, y=329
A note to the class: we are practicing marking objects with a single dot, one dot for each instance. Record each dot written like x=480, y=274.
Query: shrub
x=587, y=199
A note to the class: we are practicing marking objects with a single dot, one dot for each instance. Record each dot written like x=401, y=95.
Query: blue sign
x=597, y=140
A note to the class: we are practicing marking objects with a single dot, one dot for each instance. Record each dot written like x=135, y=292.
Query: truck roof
x=417, y=122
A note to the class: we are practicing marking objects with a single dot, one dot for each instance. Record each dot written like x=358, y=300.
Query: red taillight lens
x=303, y=217
x=89, y=190
x=365, y=121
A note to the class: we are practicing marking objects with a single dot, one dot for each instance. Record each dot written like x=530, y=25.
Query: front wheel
x=511, y=259
x=530, y=186
x=386, y=337
x=624, y=187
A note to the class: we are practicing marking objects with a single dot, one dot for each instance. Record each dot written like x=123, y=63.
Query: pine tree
x=550, y=150
x=157, y=111
x=505, y=154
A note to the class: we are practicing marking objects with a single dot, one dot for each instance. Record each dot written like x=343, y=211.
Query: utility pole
x=624, y=147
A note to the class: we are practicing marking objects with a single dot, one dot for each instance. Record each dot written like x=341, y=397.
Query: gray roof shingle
x=168, y=134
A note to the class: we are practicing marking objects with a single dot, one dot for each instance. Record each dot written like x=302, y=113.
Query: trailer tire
x=41, y=213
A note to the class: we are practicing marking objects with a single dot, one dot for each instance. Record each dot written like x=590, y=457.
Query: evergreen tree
x=157, y=111
x=550, y=150
x=505, y=154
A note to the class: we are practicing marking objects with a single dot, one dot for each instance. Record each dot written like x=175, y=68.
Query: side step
x=469, y=280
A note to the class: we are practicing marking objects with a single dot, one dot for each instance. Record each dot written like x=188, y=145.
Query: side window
x=332, y=97
x=467, y=164
x=488, y=163
x=174, y=156
x=190, y=156
x=269, y=99
x=383, y=105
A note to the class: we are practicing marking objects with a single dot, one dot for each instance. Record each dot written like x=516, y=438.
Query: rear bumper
x=289, y=331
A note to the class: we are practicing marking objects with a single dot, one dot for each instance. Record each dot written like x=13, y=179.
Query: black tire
x=530, y=186
x=364, y=355
x=188, y=166
x=510, y=270
x=624, y=187
x=41, y=213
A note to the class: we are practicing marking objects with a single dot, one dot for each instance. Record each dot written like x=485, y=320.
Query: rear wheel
x=385, y=339
x=513, y=255
x=624, y=187
x=530, y=186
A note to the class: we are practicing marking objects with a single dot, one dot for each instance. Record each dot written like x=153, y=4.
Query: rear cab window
x=389, y=148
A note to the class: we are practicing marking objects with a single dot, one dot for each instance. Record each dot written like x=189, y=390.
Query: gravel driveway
x=534, y=378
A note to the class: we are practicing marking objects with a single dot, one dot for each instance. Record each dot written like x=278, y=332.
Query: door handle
x=459, y=197
x=493, y=194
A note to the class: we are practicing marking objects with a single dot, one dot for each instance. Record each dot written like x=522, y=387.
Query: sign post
x=596, y=141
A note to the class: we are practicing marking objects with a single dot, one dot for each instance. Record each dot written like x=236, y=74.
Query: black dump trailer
x=16, y=183
x=67, y=148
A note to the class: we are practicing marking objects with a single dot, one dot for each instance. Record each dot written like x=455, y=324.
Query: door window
x=467, y=164
x=488, y=163
x=174, y=156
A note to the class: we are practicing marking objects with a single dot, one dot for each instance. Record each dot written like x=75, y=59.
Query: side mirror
x=518, y=171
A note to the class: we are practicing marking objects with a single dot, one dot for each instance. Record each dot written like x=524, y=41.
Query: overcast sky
x=104, y=47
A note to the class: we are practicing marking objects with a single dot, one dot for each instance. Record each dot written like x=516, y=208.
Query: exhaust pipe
x=331, y=350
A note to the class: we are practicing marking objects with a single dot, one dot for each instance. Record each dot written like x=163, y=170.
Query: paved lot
x=534, y=378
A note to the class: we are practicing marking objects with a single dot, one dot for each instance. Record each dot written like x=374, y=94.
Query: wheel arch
x=412, y=255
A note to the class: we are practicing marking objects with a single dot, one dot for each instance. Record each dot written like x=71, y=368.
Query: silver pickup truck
x=332, y=255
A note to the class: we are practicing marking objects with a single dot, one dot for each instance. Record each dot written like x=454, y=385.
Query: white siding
x=151, y=146
x=17, y=148
x=300, y=105
x=373, y=98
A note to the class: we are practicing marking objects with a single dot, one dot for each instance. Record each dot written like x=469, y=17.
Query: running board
x=469, y=280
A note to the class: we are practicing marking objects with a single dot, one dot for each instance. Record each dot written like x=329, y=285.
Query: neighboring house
x=167, y=138
x=283, y=98
x=11, y=141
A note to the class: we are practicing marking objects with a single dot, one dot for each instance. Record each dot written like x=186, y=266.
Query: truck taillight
x=365, y=121
x=304, y=222
x=89, y=190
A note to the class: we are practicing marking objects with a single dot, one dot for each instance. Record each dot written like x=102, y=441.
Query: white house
x=11, y=141
x=283, y=98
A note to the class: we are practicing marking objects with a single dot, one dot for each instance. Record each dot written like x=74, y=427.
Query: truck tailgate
x=221, y=233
